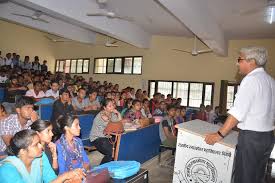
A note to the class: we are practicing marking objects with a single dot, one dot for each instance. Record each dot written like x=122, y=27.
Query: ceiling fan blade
x=129, y=19
x=182, y=51
x=96, y=14
x=204, y=51
x=42, y=20
x=21, y=15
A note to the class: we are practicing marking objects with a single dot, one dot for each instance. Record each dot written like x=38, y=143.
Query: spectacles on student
x=240, y=59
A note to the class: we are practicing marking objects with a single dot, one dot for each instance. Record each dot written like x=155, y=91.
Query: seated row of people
x=26, y=161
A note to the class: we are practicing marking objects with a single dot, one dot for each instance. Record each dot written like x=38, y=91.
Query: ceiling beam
x=196, y=16
x=54, y=26
x=74, y=12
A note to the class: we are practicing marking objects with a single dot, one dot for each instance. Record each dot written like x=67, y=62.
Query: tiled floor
x=157, y=173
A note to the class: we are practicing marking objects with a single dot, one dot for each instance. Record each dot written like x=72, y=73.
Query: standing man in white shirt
x=8, y=59
x=254, y=113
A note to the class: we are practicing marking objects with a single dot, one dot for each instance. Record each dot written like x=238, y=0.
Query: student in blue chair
x=44, y=131
x=27, y=163
x=167, y=130
x=70, y=150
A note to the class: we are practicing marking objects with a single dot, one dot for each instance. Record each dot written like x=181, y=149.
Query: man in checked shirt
x=24, y=117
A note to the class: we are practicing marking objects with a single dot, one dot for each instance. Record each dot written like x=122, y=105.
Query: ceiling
x=213, y=21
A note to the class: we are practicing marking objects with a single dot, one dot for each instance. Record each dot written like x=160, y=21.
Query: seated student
x=71, y=90
x=36, y=92
x=210, y=114
x=127, y=107
x=27, y=163
x=14, y=89
x=61, y=107
x=201, y=114
x=97, y=137
x=3, y=115
x=154, y=102
x=44, y=131
x=90, y=102
x=122, y=100
x=78, y=101
x=179, y=118
x=54, y=91
x=161, y=110
x=145, y=110
x=24, y=117
x=70, y=150
x=134, y=113
x=167, y=130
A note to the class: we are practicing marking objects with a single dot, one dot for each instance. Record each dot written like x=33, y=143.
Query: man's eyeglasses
x=240, y=59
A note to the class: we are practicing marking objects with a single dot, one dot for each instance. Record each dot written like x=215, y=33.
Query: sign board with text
x=198, y=162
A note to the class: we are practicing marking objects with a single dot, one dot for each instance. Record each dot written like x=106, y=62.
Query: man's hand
x=212, y=138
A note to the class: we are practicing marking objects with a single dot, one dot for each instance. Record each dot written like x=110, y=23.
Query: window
x=79, y=66
x=100, y=65
x=118, y=65
x=152, y=88
x=208, y=94
x=195, y=95
x=180, y=90
x=192, y=93
x=164, y=87
x=128, y=65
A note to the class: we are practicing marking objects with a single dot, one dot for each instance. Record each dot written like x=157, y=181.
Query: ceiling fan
x=110, y=43
x=57, y=40
x=35, y=16
x=102, y=4
x=267, y=4
x=195, y=51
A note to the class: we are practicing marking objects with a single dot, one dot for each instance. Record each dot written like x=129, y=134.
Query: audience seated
x=24, y=117
x=97, y=136
x=160, y=110
x=154, y=102
x=167, y=130
x=71, y=153
x=36, y=92
x=61, y=107
x=134, y=113
x=78, y=102
x=45, y=134
x=201, y=114
x=54, y=91
x=210, y=114
x=127, y=106
x=91, y=101
x=180, y=115
x=145, y=110
x=28, y=163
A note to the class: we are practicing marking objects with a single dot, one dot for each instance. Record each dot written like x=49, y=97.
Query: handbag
x=113, y=128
